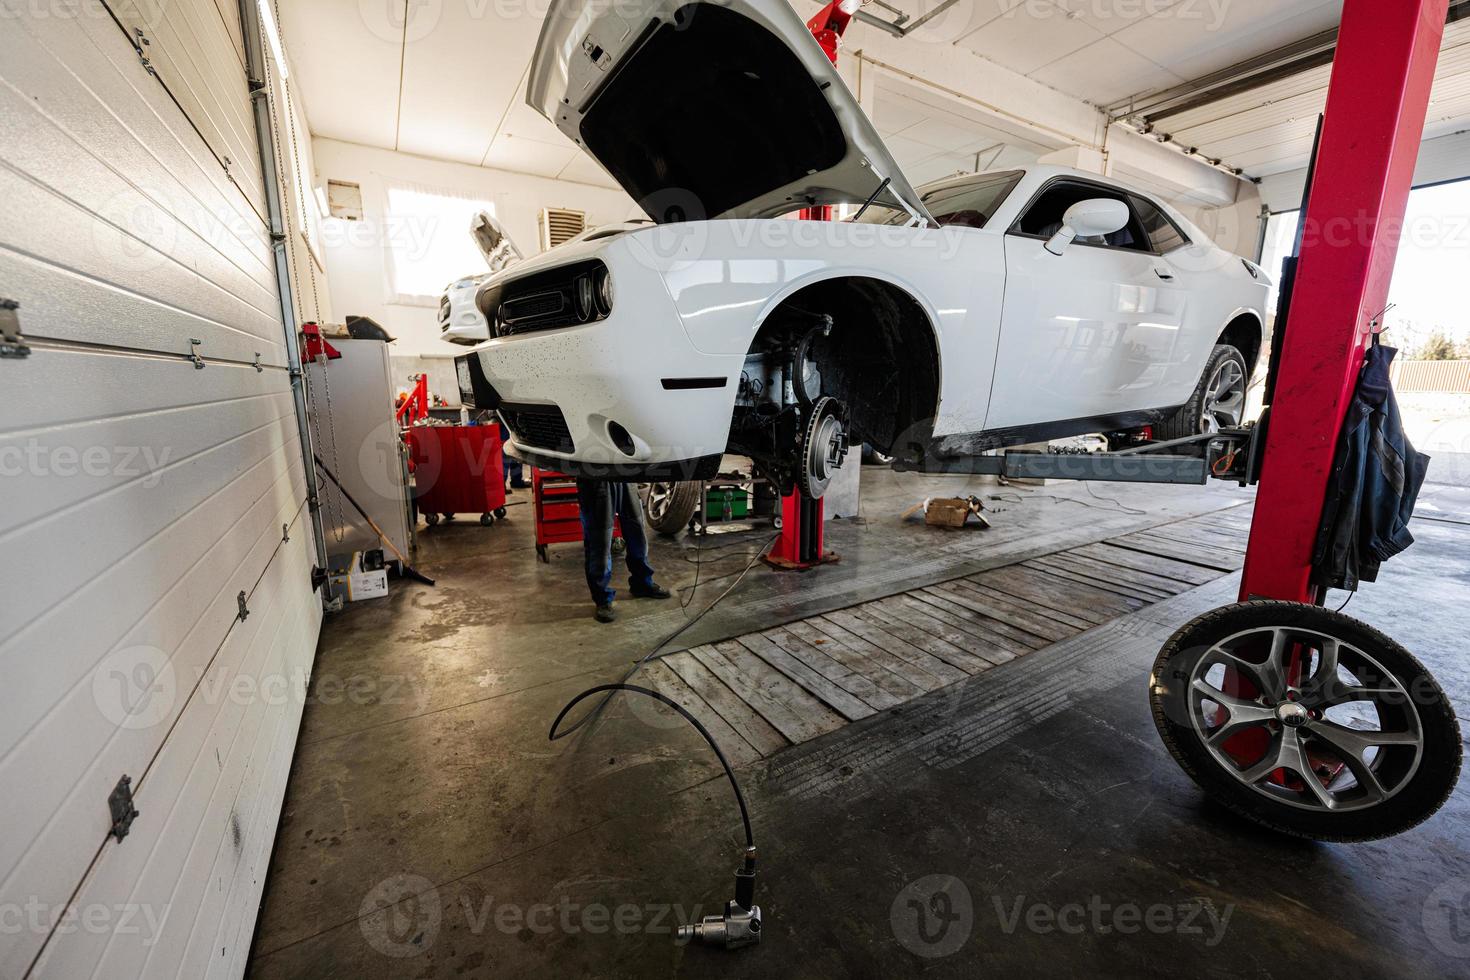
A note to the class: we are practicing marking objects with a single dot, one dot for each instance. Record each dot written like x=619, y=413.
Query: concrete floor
x=431, y=830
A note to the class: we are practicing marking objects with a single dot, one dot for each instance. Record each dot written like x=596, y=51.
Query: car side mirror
x=1095, y=216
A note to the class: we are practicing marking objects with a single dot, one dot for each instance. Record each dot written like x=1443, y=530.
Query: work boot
x=604, y=613
x=650, y=591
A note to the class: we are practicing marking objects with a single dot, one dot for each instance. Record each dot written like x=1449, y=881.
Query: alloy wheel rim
x=1336, y=734
x=660, y=496
x=1224, y=397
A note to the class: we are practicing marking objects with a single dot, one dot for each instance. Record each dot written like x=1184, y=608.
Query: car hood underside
x=709, y=110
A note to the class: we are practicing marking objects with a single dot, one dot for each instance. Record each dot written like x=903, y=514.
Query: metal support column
x=1376, y=104
x=255, y=69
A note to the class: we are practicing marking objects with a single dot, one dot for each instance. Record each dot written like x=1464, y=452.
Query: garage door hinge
x=257, y=365
x=244, y=609
x=140, y=41
x=194, y=354
x=12, y=344
x=120, y=805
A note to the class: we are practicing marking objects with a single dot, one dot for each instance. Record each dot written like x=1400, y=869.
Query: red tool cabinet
x=558, y=516
x=457, y=470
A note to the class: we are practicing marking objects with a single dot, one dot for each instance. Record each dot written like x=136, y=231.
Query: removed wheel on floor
x=670, y=507
x=1306, y=721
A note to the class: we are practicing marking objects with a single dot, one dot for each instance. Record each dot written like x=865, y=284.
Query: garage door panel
x=101, y=65
x=98, y=385
x=54, y=299
x=198, y=64
x=116, y=436
x=82, y=569
x=210, y=89
x=55, y=230
x=145, y=236
x=208, y=777
x=63, y=122
x=49, y=843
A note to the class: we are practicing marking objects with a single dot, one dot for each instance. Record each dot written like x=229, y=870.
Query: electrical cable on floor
x=1017, y=498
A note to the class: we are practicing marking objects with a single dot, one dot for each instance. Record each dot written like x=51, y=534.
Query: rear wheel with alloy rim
x=1218, y=401
x=1306, y=721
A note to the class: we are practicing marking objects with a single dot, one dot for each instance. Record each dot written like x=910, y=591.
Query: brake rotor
x=823, y=446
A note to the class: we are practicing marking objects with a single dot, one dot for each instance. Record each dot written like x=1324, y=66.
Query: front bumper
x=635, y=399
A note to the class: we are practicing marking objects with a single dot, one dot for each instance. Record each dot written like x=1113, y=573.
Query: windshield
x=968, y=203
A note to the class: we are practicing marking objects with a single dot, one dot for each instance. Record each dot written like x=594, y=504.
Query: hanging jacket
x=1376, y=475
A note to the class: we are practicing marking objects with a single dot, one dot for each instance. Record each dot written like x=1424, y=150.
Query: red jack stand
x=800, y=545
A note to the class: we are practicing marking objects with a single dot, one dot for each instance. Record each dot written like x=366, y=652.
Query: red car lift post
x=1376, y=105
x=800, y=544
x=1260, y=737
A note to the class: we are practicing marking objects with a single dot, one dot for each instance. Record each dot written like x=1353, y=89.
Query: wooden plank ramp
x=778, y=686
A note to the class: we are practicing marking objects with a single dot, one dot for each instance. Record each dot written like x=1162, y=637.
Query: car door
x=1088, y=335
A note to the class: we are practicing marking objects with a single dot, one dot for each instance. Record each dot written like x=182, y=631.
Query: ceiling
x=446, y=78
x=1269, y=130
x=1102, y=51
x=932, y=136
x=438, y=78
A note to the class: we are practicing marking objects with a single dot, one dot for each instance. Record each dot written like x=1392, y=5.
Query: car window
x=1161, y=230
x=1044, y=217
x=968, y=203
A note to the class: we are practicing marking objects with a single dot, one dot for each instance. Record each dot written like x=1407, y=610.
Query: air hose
x=740, y=925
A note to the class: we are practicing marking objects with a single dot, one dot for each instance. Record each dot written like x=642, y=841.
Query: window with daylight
x=428, y=241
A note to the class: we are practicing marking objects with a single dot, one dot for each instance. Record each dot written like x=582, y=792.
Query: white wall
x=355, y=251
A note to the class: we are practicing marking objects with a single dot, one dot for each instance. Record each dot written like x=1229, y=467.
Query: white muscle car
x=975, y=312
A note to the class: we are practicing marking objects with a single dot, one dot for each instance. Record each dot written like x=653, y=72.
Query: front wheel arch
x=881, y=360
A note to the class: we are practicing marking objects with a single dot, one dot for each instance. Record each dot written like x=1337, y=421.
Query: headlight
x=582, y=294
x=604, y=291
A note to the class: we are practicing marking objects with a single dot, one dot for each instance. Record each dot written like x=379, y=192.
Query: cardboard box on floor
x=953, y=511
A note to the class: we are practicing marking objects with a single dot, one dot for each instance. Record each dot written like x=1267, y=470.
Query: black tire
x=1191, y=419
x=1415, y=791
x=669, y=507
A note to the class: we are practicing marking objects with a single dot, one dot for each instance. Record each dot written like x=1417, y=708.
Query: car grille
x=541, y=301
x=538, y=426
x=444, y=312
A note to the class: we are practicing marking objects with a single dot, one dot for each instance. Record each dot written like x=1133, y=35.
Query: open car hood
x=720, y=109
x=489, y=234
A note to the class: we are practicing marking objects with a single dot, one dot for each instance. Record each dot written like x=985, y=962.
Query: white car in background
x=976, y=312
x=460, y=320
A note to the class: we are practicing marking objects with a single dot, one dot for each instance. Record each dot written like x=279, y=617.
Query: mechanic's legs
x=595, y=499
x=640, y=572
x=514, y=471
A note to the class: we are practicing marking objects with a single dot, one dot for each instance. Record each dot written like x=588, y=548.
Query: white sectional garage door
x=144, y=497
